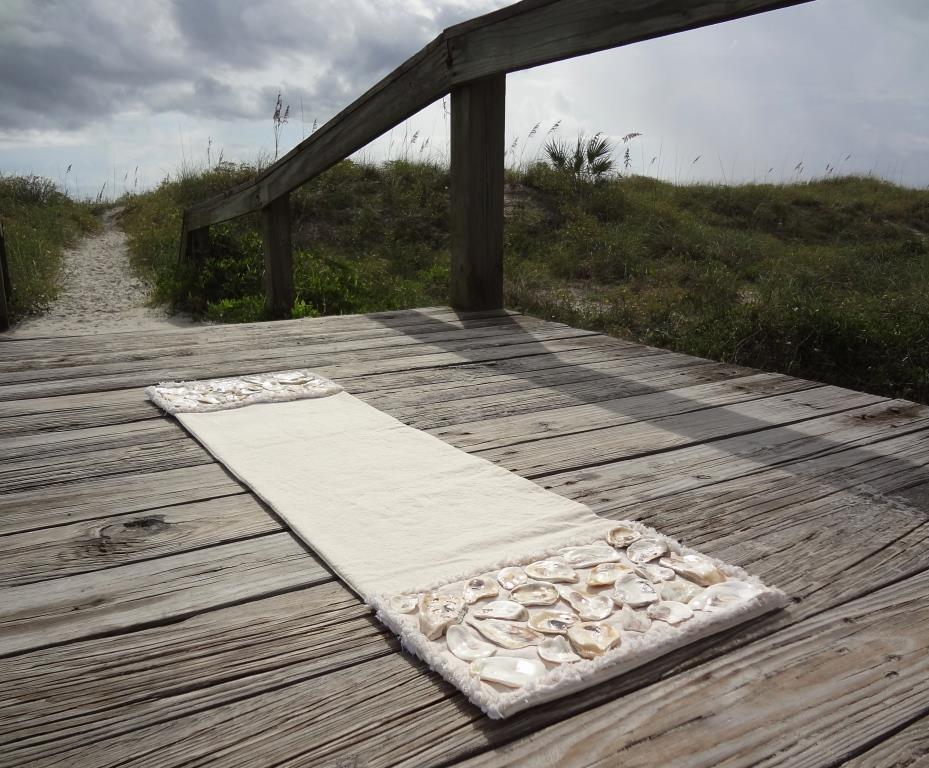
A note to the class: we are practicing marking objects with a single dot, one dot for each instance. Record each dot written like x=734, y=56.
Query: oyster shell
x=588, y=607
x=512, y=577
x=589, y=555
x=678, y=590
x=437, y=612
x=646, y=548
x=635, y=621
x=479, y=588
x=552, y=622
x=508, y=610
x=535, y=593
x=623, y=536
x=593, y=638
x=507, y=634
x=467, y=644
x=669, y=612
x=653, y=573
x=634, y=591
x=512, y=671
x=404, y=603
x=557, y=650
x=552, y=571
x=718, y=595
x=697, y=568
x=605, y=574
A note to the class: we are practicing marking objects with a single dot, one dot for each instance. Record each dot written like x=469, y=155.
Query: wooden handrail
x=523, y=35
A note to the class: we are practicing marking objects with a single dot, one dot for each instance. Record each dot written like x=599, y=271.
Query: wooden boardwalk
x=153, y=613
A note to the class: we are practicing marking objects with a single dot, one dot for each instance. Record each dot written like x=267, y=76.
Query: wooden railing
x=469, y=61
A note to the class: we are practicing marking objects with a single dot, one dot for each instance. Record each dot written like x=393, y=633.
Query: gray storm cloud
x=66, y=65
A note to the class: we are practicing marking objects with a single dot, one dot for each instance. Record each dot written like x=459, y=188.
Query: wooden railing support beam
x=195, y=243
x=279, y=267
x=477, y=193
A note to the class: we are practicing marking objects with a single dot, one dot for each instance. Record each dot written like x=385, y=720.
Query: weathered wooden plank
x=908, y=748
x=284, y=348
x=534, y=33
x=123, y=493
x=234, y=651
x=377, y=365
x=25, y=474
x=122, y=376
x=71, y=351
x=595, y=447
x=842, y=439
x=645, y=381
x=48, y=414
x=578, y=417
x=136, y=342
x=478, y=110
x=164, y=589
x=432, y=383
x=64, y=443
x=92, y=545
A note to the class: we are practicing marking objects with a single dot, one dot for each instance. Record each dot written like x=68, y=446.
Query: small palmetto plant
x=590, y=159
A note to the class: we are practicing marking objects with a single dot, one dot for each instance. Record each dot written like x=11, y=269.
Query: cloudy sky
x=134, y=90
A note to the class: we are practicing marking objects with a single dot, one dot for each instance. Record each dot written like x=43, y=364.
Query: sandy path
x=101, y=292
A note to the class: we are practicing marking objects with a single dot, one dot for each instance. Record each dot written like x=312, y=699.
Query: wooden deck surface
x=153, y=613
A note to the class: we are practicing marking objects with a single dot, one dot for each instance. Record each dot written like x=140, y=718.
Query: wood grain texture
x=907, y=749
x=77, y=694
x=278, y=257
x=106, y=542
x=92, y=498
x=167, y=588
x=536, y=33
x=478, y=111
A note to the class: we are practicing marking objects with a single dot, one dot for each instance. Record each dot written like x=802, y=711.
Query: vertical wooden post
x=195, y=243
x=5, y=287
x=477, y=193
x=279, y=268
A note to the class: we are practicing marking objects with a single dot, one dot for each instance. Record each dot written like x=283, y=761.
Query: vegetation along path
x=100, y=291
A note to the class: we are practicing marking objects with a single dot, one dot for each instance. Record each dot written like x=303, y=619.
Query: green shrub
x=827, y=280
x=39, y=222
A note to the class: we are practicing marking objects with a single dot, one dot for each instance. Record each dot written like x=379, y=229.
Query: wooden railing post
x=477, y=193
x=5, y=287
x=195, y=243
x=279, y=268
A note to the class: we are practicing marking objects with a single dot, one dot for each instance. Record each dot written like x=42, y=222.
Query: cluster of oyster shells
x=515, y=625
x=218, y=394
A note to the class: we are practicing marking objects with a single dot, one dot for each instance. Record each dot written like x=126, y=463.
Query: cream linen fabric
x=388, y=507
x=393, y=510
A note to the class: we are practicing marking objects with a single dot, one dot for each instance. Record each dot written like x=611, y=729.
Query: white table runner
x=396, y=512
